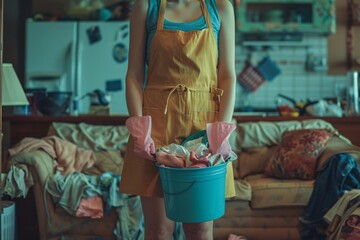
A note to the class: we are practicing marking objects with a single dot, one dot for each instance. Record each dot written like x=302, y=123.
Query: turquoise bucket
x=194, y=194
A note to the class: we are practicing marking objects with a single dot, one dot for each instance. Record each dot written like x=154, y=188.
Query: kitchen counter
x=256, y=114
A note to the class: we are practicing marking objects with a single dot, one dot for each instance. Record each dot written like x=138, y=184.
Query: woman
x=186, y=49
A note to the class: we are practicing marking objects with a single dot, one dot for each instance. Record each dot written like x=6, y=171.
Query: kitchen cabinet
x=305, y=16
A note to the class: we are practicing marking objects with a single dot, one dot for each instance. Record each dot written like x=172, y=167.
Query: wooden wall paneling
x=337, y=55
x=337, y=43
x=17, y=11
x=354, y=28
x=58, y=7
x=46, y=6
x=1, y=52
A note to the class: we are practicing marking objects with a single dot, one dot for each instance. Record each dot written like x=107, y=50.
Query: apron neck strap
x=161, y=17
x=206, y=14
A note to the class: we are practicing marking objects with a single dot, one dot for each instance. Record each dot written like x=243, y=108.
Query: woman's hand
x=140, y=129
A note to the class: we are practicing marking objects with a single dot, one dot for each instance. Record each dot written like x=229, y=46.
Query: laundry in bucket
x=198, y=155
x=196, y=192
x=172, y=155
x=194, y=152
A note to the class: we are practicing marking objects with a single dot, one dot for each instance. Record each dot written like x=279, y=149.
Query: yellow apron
x=181, y=96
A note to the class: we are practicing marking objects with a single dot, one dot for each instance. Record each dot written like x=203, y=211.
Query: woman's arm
x=226, y=67
x=136, y=63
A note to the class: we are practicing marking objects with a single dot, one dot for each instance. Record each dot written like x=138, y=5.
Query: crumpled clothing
x=198, y=153
x=180, y=153
x=90, y=207
x=199, y=161
x=236, y=237
x=128, y=207
x=340, y=174
x=109, y=187
x=130, y=224
x=67, y=191
x=85, y=135
x=15, y=184
x=193, y=153
x=70, y=158
x=170, y=159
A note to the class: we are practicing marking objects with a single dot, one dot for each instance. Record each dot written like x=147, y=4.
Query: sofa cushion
x=271, y=192
x=296, y=155
x=242, y=190
x=252, y=160
x=90, y=136
x=261, y=133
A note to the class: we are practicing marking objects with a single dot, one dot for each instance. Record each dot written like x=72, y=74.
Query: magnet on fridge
x=94, y=34
x=125, y=27
x=120, y=53
x=120, y=34
x=125, y=35
x=113, y=85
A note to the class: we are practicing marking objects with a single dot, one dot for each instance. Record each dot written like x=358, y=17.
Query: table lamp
x=12, y=92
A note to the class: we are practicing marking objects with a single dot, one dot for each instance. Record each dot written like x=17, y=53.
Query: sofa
x=91, y=150
x=268, y=207
x=264, y=207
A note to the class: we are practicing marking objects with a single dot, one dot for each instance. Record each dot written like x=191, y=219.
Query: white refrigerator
x=80, y=57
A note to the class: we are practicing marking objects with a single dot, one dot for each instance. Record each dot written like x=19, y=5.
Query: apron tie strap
x=182, y=87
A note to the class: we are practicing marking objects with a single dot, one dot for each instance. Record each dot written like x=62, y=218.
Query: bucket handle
x=169, y=193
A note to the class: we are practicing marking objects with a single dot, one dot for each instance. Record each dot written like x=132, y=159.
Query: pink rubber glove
x=140, y=129
x=218, y=134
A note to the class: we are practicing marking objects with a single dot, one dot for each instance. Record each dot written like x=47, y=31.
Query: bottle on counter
x=75, y=106
x=352, y=99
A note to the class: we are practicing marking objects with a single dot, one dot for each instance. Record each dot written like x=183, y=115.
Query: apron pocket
x=158, y=124
x=199, y=119
x=202, y=108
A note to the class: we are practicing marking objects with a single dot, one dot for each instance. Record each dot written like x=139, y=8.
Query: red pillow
x=296, y=155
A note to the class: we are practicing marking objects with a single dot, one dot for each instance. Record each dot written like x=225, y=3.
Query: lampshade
x=12, y=92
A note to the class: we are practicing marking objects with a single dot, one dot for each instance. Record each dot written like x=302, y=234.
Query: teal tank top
x=198, y=24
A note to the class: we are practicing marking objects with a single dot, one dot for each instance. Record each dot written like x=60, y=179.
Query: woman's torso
x=198, y=24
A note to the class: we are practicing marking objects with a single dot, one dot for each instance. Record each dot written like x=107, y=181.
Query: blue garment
x=338, y=175
x=198, y=24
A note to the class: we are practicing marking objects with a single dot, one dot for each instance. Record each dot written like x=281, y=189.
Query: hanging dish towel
x=268, y=68
x=250, y=78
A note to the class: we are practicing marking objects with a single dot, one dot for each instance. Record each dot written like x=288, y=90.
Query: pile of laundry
x=205, y=148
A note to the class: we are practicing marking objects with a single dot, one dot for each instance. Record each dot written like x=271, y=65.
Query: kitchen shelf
x=306, y=16
x=273, y=44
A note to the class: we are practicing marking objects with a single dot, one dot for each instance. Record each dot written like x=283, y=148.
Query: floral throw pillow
x=296, y=155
